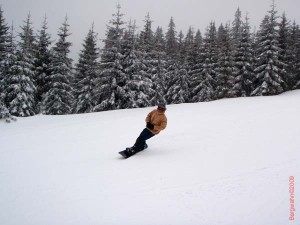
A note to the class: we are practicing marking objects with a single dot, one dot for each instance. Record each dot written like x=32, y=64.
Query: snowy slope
x=224, y=162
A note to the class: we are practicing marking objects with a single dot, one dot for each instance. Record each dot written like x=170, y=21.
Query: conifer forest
x=141, y=68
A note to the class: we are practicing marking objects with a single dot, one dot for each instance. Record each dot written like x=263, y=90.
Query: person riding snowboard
x=156, y=121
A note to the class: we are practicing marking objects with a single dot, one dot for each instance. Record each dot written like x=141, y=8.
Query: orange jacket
x=158, y=119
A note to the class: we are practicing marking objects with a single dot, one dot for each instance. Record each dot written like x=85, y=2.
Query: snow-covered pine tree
x=20, y=88
x=178, y=91
x=27, y=46
x=4, y=50
x=176, y=77
x=180, y=57
x=189, y=49
x=208, y=58
x=131, y=64
x=236, y=30
x=225, y=65
x=172, y=65
x=297, y=60
x=145, y=45
x=59, y=99
x=43, y=61
x=244, y=63
x=198, y=39
x=195, y=63
x=146, y=38
x=268, y=77
x=112, y=80
x=171, y=71
x=193, y=51
x=255, y=41
x=87, y=70
x=153, y=63
x=137, y=85
x=3, y=47
x=159, y=41
x=4, y=113
x=158, y=63
x=9, y=63
x=283, y=41
x=190, y=58
x=171, y=40
x=293, y=56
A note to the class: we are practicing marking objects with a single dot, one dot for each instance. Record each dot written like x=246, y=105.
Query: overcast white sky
x=82, y=13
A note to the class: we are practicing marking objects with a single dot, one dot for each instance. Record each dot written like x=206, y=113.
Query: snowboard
x=127, y=154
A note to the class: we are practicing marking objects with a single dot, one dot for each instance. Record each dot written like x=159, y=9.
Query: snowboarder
x=156, y=121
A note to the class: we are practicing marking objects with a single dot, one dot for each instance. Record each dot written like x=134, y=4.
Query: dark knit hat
x=161, y=106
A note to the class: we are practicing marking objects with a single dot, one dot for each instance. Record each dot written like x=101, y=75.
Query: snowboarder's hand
x=150, y=125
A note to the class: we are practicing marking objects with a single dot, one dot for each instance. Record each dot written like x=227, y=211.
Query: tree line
x=139, y=69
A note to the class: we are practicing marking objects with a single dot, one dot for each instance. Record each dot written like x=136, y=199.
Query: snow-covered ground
x=225, y=162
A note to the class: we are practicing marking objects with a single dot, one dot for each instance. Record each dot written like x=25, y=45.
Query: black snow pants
x=141, y=140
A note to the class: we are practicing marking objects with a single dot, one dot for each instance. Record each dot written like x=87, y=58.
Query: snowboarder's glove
x=150, y=125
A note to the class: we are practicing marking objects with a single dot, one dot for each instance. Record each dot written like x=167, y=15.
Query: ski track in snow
x=225, y=162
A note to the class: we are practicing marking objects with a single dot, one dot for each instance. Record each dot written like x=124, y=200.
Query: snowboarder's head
x=161, y=107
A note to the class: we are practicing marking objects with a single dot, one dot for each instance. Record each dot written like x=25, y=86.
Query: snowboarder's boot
x=145, y=146
x=128, y=152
